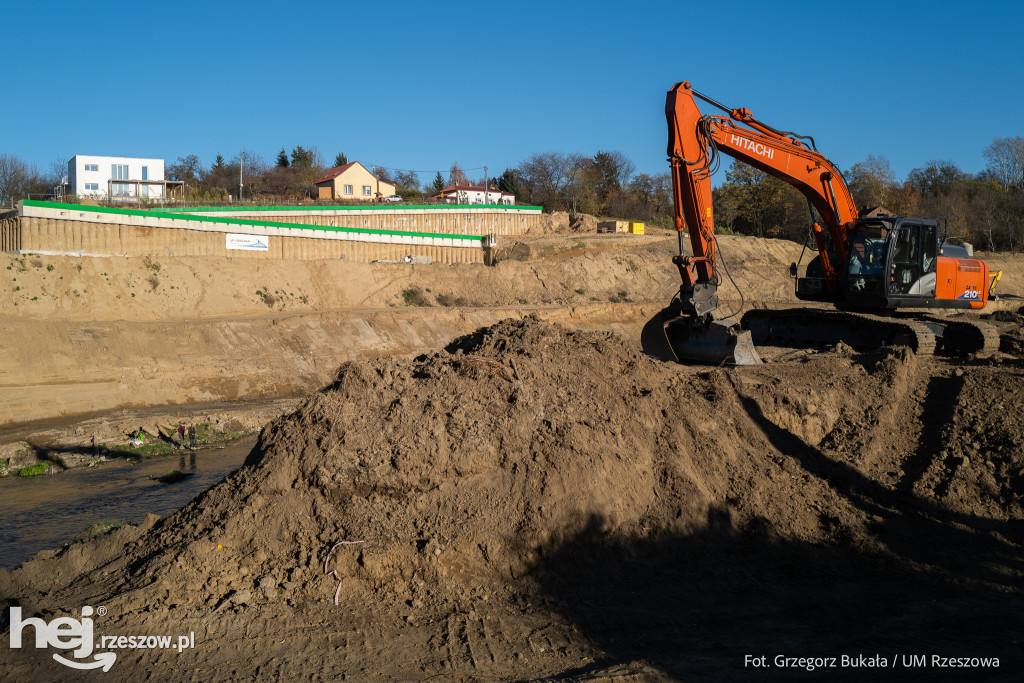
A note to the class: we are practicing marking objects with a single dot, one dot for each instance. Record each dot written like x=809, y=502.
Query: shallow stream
x=38, y=513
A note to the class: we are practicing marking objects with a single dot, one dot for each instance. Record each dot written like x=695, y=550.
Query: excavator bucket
x=685, y=340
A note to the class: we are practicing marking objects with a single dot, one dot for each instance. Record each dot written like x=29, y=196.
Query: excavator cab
x=865, y=266
x=891, y=263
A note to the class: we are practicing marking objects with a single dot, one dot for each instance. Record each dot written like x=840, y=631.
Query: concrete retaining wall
x=10, y=232
x=50, y=228
x=451, y=220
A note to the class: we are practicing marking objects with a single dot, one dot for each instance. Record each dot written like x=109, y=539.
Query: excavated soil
x=537, y=502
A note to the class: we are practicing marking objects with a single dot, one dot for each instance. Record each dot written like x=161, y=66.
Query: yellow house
x=352, y=181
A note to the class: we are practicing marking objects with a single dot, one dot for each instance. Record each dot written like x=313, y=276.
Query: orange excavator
x=867, y=266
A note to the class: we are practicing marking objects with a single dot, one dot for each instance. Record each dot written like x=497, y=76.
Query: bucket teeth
x=716, y=342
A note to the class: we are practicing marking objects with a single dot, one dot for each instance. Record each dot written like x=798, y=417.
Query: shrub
x=414, y=296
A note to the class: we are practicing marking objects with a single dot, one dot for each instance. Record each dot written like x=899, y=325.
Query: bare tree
x=406, y=181
x=871, y=181
x=456, y=176
x=1006, y=160
x=626, y=168
x=57, y=170
x=18, y=179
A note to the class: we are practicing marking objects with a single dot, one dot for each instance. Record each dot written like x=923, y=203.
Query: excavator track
x=925, y=334
x=960, y=336
x=816, y=326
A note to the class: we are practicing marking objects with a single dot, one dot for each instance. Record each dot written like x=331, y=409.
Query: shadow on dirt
x=694, y=606
x=919, y=580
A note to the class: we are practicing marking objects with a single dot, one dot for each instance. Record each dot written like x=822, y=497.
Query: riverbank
x=49, y=447
x=42, y=515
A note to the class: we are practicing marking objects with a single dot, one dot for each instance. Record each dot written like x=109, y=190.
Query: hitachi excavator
x=869, y=267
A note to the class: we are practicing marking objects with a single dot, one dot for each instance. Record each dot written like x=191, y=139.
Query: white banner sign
x=248, y=242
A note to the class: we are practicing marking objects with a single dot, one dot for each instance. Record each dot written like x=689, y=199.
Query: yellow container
x=636, y=228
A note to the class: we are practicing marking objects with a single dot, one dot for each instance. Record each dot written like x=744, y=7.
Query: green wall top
x=242, y=221
x=356, y=207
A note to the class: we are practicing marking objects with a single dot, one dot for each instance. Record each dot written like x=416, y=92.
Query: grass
x=36, y=470
x=173, y=477
x=205, y=434
x=147, y=450
x=97, y=529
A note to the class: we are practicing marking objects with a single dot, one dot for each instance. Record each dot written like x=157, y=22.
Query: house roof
x=332, y=173
x=471, y=188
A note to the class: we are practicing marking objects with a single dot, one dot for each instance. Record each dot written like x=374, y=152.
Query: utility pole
x=485, y=184
x=241, y=161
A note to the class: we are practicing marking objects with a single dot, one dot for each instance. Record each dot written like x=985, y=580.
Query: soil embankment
x=536, y=501
x=91, y=334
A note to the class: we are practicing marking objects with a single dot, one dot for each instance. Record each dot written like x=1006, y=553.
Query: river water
x=38, y=513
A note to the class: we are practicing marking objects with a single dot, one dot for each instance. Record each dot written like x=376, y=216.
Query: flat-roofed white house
x=125, y=178
x=474, y=194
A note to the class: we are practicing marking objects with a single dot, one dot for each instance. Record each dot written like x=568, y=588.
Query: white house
x=474, y=194
x=117, y=177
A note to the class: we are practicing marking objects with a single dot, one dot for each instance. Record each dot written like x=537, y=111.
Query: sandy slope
x=98, y=334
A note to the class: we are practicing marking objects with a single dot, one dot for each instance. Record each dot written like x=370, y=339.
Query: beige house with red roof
x=352, y=181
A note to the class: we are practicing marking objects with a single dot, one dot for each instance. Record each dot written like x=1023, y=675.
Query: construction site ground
x=486, y=478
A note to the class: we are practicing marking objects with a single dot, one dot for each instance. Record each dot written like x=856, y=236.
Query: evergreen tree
x=218, y=164
x=507, y=182
x=302, y=157
x=341, y=159
x=438, y=185
x=282, y=159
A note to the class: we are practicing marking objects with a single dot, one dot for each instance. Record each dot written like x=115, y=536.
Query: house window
x=92, y=167
x=348, y=189
x=366, y=190
x=145, y=172
x=92, y=186
x=119, y=171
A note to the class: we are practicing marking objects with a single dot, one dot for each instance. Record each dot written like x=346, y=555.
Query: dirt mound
x=518, y=503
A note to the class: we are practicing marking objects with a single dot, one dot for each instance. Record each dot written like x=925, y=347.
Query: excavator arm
x=694, y=142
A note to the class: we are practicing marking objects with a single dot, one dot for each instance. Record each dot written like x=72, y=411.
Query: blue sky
x=421, y=85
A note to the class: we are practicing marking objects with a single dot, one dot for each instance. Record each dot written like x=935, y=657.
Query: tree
x=188, y=169
x=762, y=203
x=936, y=178
x=218, y=164
x=18, y=179
x=437, y=187
x=626, y=168
x=382, y=173
x=606, y=175
x=57, y=171
x=282, y=159
x=507, y=182
x=870, y=181
x=1006, y=160
x=542, y=179
x=301, y=157
x=456, y=176
x=340, y=159
x=406, y=182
